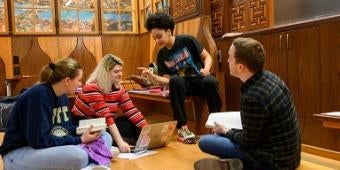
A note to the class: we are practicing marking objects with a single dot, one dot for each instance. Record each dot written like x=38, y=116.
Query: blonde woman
x=39, y=134
x=103, y=96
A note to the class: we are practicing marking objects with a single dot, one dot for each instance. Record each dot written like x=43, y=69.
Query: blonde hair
x=101, y=74
x=54, y=72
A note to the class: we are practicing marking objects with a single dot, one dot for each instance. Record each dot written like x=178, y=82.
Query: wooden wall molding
x=321, y=152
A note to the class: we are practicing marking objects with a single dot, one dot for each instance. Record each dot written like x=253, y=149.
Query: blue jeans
x=54, y=158
x=220, y=146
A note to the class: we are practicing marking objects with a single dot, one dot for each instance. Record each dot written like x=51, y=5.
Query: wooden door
x=330, y=78
x=304, y=81
x=330, y=66
x=276, y=54
x=304, y=70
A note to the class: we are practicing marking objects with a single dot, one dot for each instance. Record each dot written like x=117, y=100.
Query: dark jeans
x=127, y=130
x=180, y=87
x=224, y=148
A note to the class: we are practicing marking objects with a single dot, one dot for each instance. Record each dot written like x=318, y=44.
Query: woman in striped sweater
x=103, y=96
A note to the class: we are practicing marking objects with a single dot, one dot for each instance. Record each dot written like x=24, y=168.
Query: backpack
x=6, y=106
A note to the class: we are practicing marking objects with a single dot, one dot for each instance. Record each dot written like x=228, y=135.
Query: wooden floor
x=179, y=156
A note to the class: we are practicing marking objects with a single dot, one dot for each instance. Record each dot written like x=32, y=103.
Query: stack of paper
x=228, y=119
x=97, y=123
x=131, y=156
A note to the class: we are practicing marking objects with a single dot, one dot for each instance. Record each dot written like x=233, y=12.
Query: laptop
x=154, y=136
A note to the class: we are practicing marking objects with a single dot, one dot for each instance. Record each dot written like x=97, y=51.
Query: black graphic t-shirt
x=182, y=59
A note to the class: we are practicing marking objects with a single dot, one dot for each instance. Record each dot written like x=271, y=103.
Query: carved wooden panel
x=219, y=17
x=94, y=45
x=131, y=49
x=49, y=46
x=66, y=46
x=258, y=14
x=85, y=58
x=31, y=60
x=184, y=9
x=238, y=16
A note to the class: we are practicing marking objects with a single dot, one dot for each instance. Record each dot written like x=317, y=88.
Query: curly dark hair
x=160, y=20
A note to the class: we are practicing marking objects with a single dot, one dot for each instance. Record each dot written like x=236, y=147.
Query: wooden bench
x=158, y=106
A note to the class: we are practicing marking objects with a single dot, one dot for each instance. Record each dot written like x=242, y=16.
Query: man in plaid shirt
x=270, y=137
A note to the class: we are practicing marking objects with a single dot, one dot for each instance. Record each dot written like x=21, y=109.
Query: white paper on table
x=228, y=119
x=131, y=156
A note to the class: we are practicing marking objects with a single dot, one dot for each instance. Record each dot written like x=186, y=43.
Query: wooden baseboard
x=330, y=154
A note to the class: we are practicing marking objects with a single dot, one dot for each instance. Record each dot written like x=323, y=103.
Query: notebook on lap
x=154, y=136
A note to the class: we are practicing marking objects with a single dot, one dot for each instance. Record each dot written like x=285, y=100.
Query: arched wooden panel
x=66, y=46
x=2, y=78
x=94, y=45
x=30, y=64
x=85, y=58
x=21, y=46
x=6, y=55
x=129, y=49
x=50, y=46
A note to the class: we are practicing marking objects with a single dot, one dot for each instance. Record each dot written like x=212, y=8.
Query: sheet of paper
x=228, y=119
x=131, y=156
x=332, y=114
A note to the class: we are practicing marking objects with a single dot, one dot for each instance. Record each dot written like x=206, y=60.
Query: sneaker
x=114, y=151
x=186, y=136
x=218, y=164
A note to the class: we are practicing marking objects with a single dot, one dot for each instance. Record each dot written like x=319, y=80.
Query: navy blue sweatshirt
x=39, y=119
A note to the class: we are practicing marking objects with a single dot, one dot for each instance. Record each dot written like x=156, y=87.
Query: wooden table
x=329, y=121
x=158, y=105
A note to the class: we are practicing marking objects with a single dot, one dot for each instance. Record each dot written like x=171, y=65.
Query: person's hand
x=204, y=72
x=145, y=72
x=123, y=146
x=88, y=136
x=220, y=129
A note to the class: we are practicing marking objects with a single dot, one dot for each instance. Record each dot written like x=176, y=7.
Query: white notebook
x=97, y=123
x=228, y=119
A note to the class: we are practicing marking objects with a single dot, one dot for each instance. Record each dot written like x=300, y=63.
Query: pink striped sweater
x=92, y=102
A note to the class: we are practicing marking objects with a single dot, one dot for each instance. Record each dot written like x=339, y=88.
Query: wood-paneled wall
x=36, y=51
x=132, y=49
